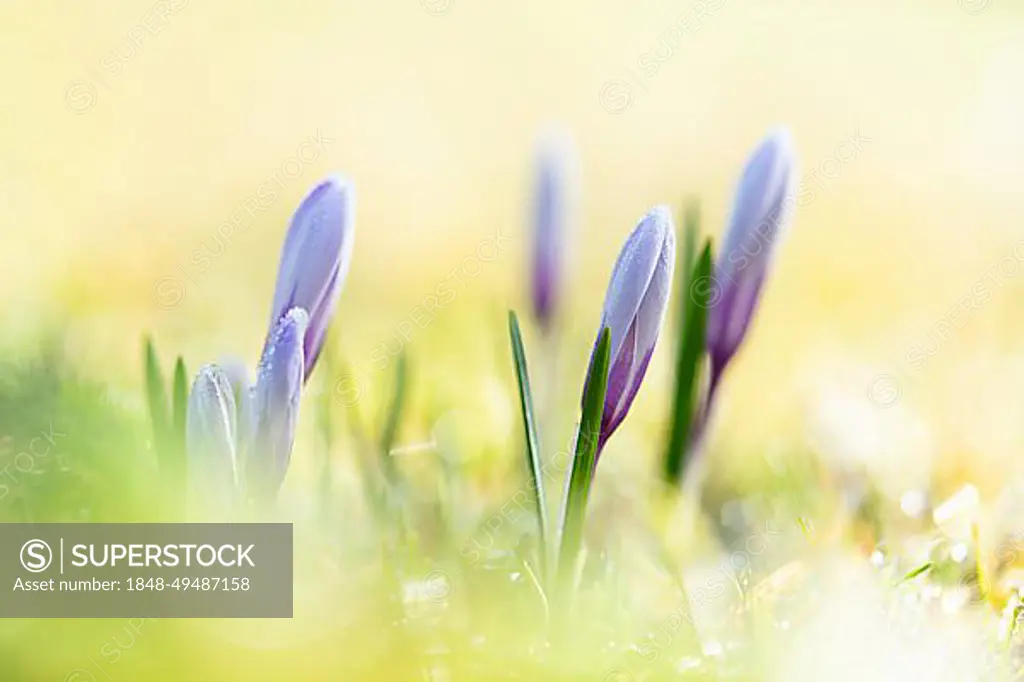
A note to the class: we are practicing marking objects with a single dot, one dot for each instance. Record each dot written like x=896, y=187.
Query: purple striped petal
x=275, y=405
x=634, y=311
x=619, y=372
x=319, y=322
x=315, y=260
x=632, y=273
x=613, y=421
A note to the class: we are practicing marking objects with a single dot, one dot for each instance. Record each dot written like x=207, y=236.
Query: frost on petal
x=643, y=272
x=241, y=385
x=651, y=313
x=632, y=274
x=275, y=405
x=210, y=437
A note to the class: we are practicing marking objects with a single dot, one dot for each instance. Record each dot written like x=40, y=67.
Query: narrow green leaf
x=807, y=526
x=346, y=389
x=175, y=462
x=691, y=238
x=533, y=455
x=538, y=585
x=394, y=418
x=325, y=424
x=693, y=294
x=1010, y=619
x=324, y=414
x=180, y=400
x=923, y=568
x=156, y=397
x=582, y=471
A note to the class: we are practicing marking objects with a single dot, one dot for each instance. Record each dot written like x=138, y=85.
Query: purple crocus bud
x=553, y=196
x=315, y=260
x=210, y=437
x=275, y=405
x=762, y=210
x=237, y=374
x=634, y=308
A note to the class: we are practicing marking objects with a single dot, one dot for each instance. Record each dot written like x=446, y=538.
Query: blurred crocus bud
x=553, y=196
x=210, y=437
x=315, y=260
x=275, y=405
x=762, y=209
x=634, y=308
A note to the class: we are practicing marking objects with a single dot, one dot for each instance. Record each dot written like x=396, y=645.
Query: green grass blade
x=180, y=401
x=574, y=510
x=325, y=426
x=533, y=454
x=156, y=396
x=690, y=240
x=325, y=411
x=394, y=418
x=913, y=573
x=348, y=392
x=693, y=295
x=175, y=462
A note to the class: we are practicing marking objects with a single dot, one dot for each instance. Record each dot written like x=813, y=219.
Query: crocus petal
x=743, y=301
x=546, y=246
x=319, y=321
x=632, y=274
x=634, y=311
x=275, y=405
x=761, y=212
x=651, y=313
x=210, y=436
x=241, y=385
x=553, y=199
x=645, y=329
x=619, y=371
x=613, y=420
x=315, y=260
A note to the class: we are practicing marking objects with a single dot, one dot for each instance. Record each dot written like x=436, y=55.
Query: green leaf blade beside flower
x=582, y=470
x=695, y=290
x=533, y=454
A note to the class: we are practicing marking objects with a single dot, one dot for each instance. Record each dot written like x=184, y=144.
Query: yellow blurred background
x=133, y=130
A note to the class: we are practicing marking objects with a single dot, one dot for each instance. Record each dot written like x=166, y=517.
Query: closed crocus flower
x=553, y=196
x=210, y=437
x=275, y=405
x=241, y=386
x=634, y=308
x=762, y=209
x=315, y=261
